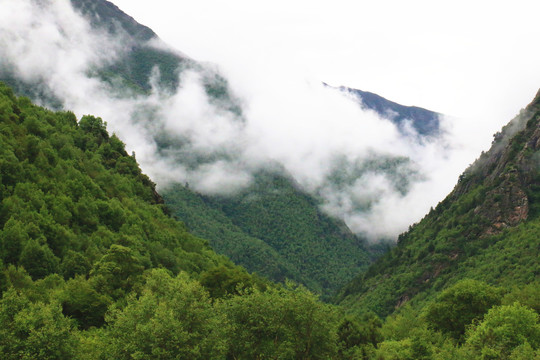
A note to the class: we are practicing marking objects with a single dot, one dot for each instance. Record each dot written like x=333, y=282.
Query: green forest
x=93, y=265
x=273, y=228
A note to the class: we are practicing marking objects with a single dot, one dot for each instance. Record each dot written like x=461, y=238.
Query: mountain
x=146, y=58
x=191, y=129
x=71, y=194
x=105, y=15
x=425, y=122
x=92, y=267
x=254, y=228
x=487, y=229
x=276, y=229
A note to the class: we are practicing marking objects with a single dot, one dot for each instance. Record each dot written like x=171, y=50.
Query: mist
x=366, y=171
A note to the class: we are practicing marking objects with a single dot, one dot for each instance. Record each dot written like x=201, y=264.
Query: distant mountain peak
x=104, y=14
x=425, y=122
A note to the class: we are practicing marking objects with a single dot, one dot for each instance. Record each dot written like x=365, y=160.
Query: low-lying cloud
x=376, y=178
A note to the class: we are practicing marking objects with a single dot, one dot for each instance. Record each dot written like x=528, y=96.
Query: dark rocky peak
x=105, y=15
x=424, y=122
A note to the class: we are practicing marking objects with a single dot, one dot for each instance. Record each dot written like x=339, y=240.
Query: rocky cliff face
x=509, y=172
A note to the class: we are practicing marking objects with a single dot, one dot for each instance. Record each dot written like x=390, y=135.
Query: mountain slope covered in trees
x=486, y=229
x=464, y=283
x=276, y=229
x=292, y=238
x=92, y=267
x=324, y=257
x=71, y=193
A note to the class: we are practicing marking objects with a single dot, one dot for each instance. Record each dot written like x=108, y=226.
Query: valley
x=149, y=211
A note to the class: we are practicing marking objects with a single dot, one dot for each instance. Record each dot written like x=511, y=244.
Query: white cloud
x=289, y=118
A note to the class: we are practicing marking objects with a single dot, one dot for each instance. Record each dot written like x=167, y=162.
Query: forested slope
x=487, y=228
x=226, y=237
x=276, y=229
x=92, y=267
x=70, y=192
x=464, y=283
x=323, y=257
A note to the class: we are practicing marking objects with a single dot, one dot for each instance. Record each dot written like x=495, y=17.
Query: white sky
x=466, y=58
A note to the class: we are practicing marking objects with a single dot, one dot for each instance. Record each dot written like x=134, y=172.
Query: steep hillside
x=107, y=16
x=144, y=68
x=70, y=195
x=289, y=237
x=487, y=229
x=211, y=223
x=91, y=267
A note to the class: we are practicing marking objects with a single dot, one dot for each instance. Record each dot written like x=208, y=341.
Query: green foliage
x=93, y=268
x=82, y=302
x=275, y=229
x=135, y=70
x=358, y=337
x=226, y=237
x=38, y=260
x=13, y=238
x=461, y=304
x=428, y=251
x=280, y=323
x=528, y=295
x=223, y=281
x=34, y=330
x=395, y=350
x=404, y=323
x=503, y=330
x=74, y=263
x=172, y=319
x=117, y=271
x=70, y=193
x=524, y=352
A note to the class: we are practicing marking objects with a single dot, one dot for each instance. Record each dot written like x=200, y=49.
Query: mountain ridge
x=107, y=15
x=139, y=69
x=236, y=217
x=423, y=121
x=494, y=204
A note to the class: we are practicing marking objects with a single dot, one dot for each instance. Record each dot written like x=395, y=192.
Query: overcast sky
x=472, y=59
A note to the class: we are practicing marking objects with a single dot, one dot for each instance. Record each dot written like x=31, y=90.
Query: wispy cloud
x=367, y=172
